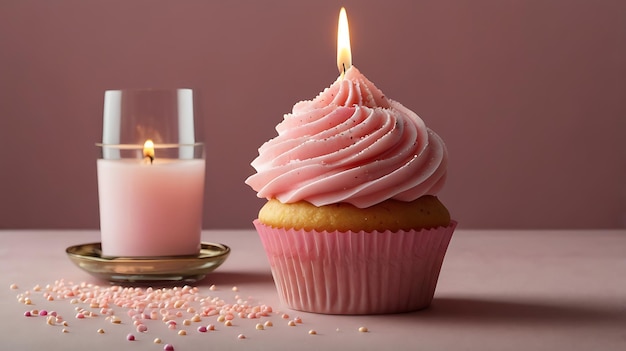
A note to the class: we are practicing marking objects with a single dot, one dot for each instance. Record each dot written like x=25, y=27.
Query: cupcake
x=352, y=224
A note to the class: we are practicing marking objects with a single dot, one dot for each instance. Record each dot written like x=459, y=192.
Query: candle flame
x=344, y=54
x=148, y=150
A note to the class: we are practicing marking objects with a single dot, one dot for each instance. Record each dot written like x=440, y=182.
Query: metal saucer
x=149, y=269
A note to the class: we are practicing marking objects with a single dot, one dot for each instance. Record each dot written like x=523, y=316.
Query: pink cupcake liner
x=355, y=272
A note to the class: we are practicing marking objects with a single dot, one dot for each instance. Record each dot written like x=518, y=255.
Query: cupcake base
x=355, y=272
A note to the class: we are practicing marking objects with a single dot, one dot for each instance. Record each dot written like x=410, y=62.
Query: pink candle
x=150, y=208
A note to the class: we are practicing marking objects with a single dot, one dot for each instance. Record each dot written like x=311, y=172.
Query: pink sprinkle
x=27, y=314
x=80, y=316
x=141, y=328
x=130, y=337
x=202, y=329
x=53, y=313
x=168, y=347
x=43, y=313
x=241, y=336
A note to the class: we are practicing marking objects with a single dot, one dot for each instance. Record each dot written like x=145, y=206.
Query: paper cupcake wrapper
x=355, y=272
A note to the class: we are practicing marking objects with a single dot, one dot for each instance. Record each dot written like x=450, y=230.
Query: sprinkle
x=100, y=331
x=157, y=341
x=202, y=329
x=168, y=347
x=235, y=288
x=291, y=323
x=130, y=337
x=116, y=320
x=34, y=312
x=312, y=332
x=13, y=286
x=210, y=327
x=141, y=328
x=298, y=320
x=221, y=318
x=196, y=318
x=27, y=314
x=186, y=322
x=43, y=313
x=182, y=332
x=228, y=323
x=269, y=324
x=363, y=329
x=260, y=326
x=285, y=316
x=51, y=320
x=80, y=315
x=212, y=288
x=241, y=336
x=64, y=330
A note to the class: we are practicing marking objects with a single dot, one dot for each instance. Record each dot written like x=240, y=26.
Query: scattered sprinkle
x=157, y=341
x=291, y=323
x=64, y=330
x=210, y=327
x=182, y=332
x=13, y=286
x=241, y=336
x=269, y=324
x=298, y=320
x=235, y=288
x=100, y=331
x=130, y=337
x=285, y=316
x=363, y=329
x=228, y=323
x=51, y=320
x=142, y=328
x=312, y=332
x=260, y=326
x=202, y=329
x=168, y=347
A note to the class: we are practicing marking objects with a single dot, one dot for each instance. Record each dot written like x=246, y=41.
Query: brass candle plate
x=149, y=269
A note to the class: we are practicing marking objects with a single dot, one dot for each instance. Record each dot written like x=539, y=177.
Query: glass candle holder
x=151, y=174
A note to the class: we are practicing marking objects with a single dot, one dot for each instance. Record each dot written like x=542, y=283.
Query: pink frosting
x=350, y=144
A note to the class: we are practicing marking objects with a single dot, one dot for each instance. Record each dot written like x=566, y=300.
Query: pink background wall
x=529, y=95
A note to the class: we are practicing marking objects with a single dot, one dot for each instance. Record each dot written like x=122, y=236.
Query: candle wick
x=150, y=157
x=344, y=67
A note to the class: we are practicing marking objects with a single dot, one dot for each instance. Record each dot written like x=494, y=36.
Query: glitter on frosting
x=350, y=144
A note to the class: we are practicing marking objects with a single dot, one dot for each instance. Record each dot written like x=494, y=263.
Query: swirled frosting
x=350, y=144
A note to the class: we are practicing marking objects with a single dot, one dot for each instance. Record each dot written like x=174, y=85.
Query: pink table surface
x=498, y=290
